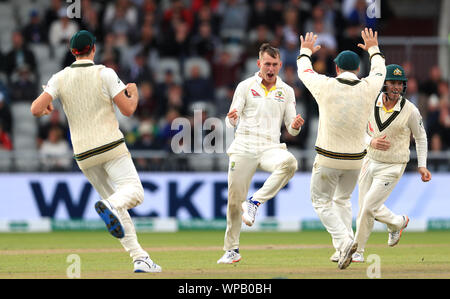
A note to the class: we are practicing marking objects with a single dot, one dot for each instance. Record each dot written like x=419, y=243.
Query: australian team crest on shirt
x=279, y=96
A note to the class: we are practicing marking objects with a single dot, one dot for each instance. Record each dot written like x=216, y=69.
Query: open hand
x=370, y=39
x=309, y=41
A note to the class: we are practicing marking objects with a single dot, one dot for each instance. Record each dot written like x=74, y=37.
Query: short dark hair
x=270, y=50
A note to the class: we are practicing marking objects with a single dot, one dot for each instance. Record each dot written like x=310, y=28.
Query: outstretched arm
x=312, y=80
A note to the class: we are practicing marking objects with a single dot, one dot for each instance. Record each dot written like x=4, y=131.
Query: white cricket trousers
x=376, y=182
x=282, y=165
x=331, y=190
x=118, y=182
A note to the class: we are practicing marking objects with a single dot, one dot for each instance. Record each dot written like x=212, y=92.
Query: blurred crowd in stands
x=135, y=37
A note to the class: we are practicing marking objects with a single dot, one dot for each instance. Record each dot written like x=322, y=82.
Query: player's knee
x=368, y=212
x=139, y=194
x=290, y=165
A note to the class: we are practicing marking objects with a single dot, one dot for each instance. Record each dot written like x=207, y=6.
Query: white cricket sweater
x=261, y=113
x=345, y=103
x=94, y=129
x=397, y=126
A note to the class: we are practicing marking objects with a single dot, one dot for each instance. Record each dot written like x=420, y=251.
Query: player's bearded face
x=394, y=89
x=269, y=67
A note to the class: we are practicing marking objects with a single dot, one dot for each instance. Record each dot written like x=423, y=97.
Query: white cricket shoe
x=249, y=211
x=230, y=257
x=394, y=237
x=335, y=257
x=358, y=257
x=146, y=265
x=347, y=251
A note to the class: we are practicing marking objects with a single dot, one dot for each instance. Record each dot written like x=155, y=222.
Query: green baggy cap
x=82, y=42
x=395, y=72
x=347, y=60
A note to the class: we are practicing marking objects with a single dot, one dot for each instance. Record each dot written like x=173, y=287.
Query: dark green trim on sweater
x=340, y=156
x=98, y=150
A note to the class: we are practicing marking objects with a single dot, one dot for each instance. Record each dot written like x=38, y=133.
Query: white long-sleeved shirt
x=397, y=125
x=345, y=103
x=261, y=113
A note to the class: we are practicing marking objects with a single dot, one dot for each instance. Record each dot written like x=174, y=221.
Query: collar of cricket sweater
x=82, y=62
x=348, y=76
x=397, y=106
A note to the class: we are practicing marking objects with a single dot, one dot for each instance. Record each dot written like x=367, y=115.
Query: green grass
x=193, y=254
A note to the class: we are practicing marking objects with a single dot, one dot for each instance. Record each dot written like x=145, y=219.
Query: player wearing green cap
x=344, y=104
x=88, y=93
x=389, y=128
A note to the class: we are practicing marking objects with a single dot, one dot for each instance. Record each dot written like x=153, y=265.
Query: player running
x=88, y=93
x=344, y=104
x=259, y=107
x=390, y=125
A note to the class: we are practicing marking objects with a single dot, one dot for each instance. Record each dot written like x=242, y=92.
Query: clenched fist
x=298, y=122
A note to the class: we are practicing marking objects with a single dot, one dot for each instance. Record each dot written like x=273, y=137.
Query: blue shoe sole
x=112, y=223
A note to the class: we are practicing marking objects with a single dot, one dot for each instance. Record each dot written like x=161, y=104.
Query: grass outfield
x=193, y=254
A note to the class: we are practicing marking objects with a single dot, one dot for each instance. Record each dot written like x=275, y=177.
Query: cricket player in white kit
x=88, y=93
x=392, y=121
x=260, y=106
x=344, y=104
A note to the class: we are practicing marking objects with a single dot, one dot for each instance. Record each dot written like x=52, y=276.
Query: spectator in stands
x=24, y=85
x=148, y=103
x=110, y=51
x=4, y=92
x=162, y=89
x=55, y=119
x=175, y=43
x=262, y=35
x=121, y=18
x=291, y=28
x=350, y=38
x=225, y=69
x=138, y=70
x=178, y=13
x=198, y=87
x=51, y=13
x=5, y=140
x=260, y=14
x=430, y=85
x=166, y=132
x=147, y=136
x=148, y=45
x=175, y=100
x=90, y=20
x=19, y=56
x=56, y=154
x=35, y=31
x=206, y=14
x=234, y=20
x=289, y=51
x=5, y=114
x=204, y=43
x=62, y=30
